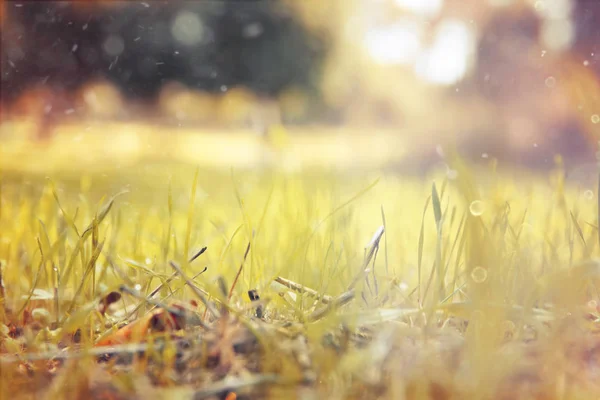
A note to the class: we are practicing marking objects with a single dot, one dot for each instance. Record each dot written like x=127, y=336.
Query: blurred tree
x=141, y=46
x=587, y=36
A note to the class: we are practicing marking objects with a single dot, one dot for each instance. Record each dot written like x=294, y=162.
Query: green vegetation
x=369, y=285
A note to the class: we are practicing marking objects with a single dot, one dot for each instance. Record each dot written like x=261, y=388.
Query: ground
x=129, y=272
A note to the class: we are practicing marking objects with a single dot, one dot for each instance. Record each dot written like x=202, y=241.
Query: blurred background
x=385, y=82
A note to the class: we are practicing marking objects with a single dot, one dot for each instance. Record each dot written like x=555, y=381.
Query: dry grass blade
x=296, y=287
x=229, y=385
x=463, y=310
x=338, y=302
x=372, y=317
x=201, y=296
x=128, y=348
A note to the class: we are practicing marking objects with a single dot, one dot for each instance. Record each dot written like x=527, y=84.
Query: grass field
x=474, y=284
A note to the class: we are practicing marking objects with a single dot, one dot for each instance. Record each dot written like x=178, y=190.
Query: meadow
x=130, y=276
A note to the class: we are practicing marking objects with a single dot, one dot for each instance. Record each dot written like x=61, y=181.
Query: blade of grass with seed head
x=170, y=278
x=197, y=254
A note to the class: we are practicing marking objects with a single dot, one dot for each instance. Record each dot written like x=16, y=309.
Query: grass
x=369, y=285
